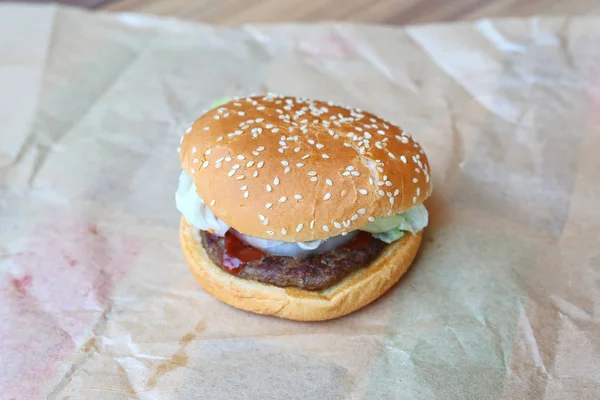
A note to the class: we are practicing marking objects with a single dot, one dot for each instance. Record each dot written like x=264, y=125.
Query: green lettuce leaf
x=392, y=228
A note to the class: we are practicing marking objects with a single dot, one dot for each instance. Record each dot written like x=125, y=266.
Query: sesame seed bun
x=295, y=170
x=355, y=291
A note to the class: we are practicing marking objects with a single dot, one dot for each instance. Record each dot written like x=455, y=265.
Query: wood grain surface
x=375, y=11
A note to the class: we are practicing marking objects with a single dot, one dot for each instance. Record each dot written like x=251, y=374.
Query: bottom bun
x=353, y=292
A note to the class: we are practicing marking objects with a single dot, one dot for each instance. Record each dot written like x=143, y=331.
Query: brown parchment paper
x=97, y=303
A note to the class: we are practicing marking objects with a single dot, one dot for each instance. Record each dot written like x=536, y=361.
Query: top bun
x=294, y=170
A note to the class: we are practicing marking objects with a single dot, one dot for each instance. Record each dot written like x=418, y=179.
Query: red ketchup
x=362, y=239
x=237, y=253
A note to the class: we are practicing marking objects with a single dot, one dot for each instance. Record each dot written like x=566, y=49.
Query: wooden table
x=375, y=11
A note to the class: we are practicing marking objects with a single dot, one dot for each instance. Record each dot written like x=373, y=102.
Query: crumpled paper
x=96, y=301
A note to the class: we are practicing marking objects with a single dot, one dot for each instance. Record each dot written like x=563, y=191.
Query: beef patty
x=310, y=272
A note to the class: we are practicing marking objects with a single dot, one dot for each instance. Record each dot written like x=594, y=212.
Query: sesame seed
x=403, y=159
x=354, y=217
x=388, y=183
x=195, y=161
x=346, y=173
x=241, y=157
x=188, y=130
x=231, y=172
x=285, y=163
x=415, y=180
x=256, y=153
x=266, y=221
x=298, y=197
x=261, y=217
x=327, y=196
x=343, y=193
x=337, y=225
x=270, y=233
x=299, y=227
x=392, y=200
x=216, y=117
x=205, y=164
x=282, y=199
x=241, y=113
x=218, y=165
x=427, y=179
x=324, y=156
x=259, y=120
x=299, y=165
x=371, y=219
x=329, y=182
x=414, y=199
x=269, y=188
x=246, y=194
x=276, y=181
x=381, y=192
x=304, y=157
x=312, y=224
x=314, y=179
x=275, y=130
x=255, y=174
x=361, y=211
x=312, y=173
x=362, y=191
x=206, y=128
x=283, y=231
x=346, y=223
x=194, y=150
x=260, y=164
x=227, y=158
x=249, y=163
x=355, y=173
x=319, y=146
x=261, y=148
x=325, y=228
x=418, y=191
x=269, y=205
x=286, y=170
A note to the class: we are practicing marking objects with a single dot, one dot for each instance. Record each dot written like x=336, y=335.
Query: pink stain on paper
x=595, y=88
x=329, y=46
x=58, y=288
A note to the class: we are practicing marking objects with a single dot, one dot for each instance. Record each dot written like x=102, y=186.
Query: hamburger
x=301, y=209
